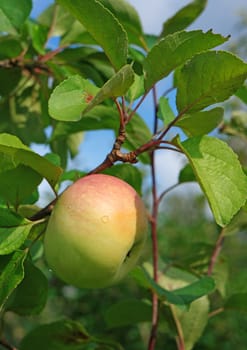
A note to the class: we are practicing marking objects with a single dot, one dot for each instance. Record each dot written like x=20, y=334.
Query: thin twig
x=6, y=345
x=154, y=233
x=216, y=312
x=216, y=252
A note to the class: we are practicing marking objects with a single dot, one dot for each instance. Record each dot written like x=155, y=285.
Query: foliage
x=96, y=78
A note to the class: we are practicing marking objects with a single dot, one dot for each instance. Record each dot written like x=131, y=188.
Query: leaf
x=201, y=287
x=9, y=47
x=128, y=312
x=200, y=123
x=103, y=27
x=193, y=321
x=18, y=184
x=128, y=17
x=136, y=90
x=10, y=79
x=38, y=36
x=29, y=298
x=116, y=86
x=13, y=14
x=238, y=224
x=65, y=334
x=16, y=152
x=242, y=94
x=13, y=231
x=174, y=50
x=70, y=98
x=137, y=133
x=181, y=296
x=128, y=173
x=165, y=111
x=209, y=78
x=237, y=302
x=186, y=174
x=100, y=117
x=184, y=17
x=11, y=273
x=219, y=174
x=58, y=20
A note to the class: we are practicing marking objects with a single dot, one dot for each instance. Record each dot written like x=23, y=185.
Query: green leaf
x=184, y=17
x=62, y=335
x=237, y=302
x=128, y=173
x=128, y=17
x=219, y=174
x=30, y=296
x=181, y=296
x=58, y=20
x=242, y=94
x=174, y=50
x=103, y=27
x=193, y=321
x=38, y=35
x=136, y=90
x=128, y=312
x=18, y=184
x=13, y=231
x=13, y=14
x=10, y=79
x=165, y=111
x=238, y=224
x=100, y=117
x=9, y=47
x=11, y=273
x=201, y=123
x=225, y=73
x=137, y=133
x=186, y=174
x=70, y=98
x=203, y=286
x=116, y=86
x=17, y=153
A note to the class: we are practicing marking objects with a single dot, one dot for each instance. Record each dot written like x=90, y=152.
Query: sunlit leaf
x=184, y=17
x=70, y=98
x=116, y=86
x=174, y=50
x=219, y=173
x=101, y=24
x=17, y=153
x=209, y=78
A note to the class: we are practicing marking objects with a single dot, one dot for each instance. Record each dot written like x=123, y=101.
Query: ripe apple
x=96, y=232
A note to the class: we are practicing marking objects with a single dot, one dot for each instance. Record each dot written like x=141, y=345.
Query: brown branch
x=6, y=345
x=154, y=231
x=216, y=252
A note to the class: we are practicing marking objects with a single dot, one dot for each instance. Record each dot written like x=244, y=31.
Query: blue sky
x=221, y=16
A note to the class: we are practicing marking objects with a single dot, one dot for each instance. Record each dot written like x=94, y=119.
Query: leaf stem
x=180, y=336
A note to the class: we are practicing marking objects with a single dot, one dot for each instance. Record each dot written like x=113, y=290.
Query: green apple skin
x=96, y=232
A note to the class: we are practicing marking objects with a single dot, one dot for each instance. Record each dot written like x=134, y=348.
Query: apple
x=96, y=232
